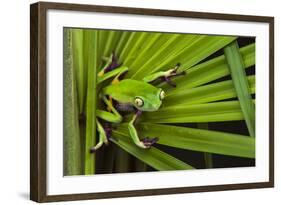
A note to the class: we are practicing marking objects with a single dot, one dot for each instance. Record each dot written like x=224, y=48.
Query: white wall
x=14, y=109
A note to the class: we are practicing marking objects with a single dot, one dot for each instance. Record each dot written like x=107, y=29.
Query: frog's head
x=150, y=99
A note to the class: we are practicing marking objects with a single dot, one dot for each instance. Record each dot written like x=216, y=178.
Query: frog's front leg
x=144, y=143
x=164, y=76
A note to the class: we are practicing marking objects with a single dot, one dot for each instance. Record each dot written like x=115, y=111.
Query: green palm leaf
x=129, y=45
x=111, y=42
x=196, y=49
x=208, y=157
x=206, y=112
x=72, y=145
x=154, y=53
x=154, y=157
x=91, y=40
x=196, y=99
x=80, y=70
x=236, y=66
x=125, y=35
x=211, y=70
x=206, y=93
x=198, y=139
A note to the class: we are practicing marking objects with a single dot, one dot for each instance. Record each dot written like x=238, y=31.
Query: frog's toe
x=172, y=73
x=148, y=142
x=170, y=82
x=113, y=63
x=94, y=149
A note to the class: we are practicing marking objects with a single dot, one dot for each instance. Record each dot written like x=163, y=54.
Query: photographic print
x=137, y=101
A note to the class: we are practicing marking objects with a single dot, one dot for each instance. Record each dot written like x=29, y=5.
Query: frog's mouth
x=158, y=106
x=151, y=108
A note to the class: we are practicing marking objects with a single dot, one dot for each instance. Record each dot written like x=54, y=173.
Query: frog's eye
x=139, y=102
x=162, y=95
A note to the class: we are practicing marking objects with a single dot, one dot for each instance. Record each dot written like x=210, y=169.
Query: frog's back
x=126, y=90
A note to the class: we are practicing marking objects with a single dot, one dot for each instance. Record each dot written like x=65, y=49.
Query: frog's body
x=126, y=91
x=140, y=95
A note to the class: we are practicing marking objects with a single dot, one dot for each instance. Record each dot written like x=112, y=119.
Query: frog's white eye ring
x=162, y=95
x=139, y=102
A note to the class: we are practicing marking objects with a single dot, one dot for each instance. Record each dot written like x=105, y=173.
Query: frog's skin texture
x=130, y=95
x=126, y=91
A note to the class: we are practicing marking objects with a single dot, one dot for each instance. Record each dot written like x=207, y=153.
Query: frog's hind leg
x=102, y=137
x=111, y=63
x=120, y=72
x=111, y=102
x=116, y=80
x=113, y=116
x=104, y=133
x=120, y=76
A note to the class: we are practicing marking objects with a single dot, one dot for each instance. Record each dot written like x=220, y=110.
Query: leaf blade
x=239, y=78
x=206, y=93
x=208, y=157
x=199, y=139
x=198, y=47
x=91, y=41
x=210, y=70
x=196, y=113
x=153, y=157
x=71, y=132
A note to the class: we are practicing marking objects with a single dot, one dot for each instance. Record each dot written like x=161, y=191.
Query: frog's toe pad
x=148, y=142
x=93, y=150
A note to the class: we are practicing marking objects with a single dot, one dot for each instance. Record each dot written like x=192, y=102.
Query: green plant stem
x=92, y=49
x=80, y=69
x=207, y=156
x=71, y=140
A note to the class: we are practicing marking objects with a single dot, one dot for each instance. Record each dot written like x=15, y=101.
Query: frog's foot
x=111, y=64
x=100, y=144
x=148, y=142
x=104, y=133
x=172, y=73
x=95, y=148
